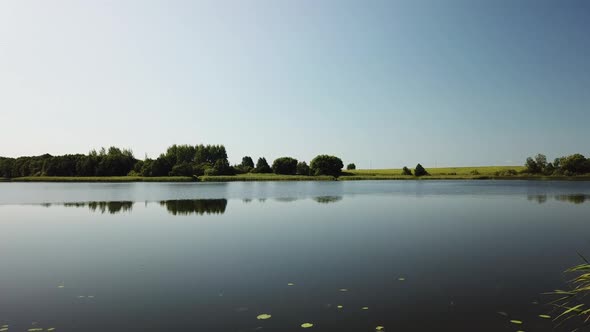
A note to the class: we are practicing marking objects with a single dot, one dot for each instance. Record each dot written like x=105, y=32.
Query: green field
x=479, y=172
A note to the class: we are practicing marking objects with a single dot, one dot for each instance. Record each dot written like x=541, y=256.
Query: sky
x=382, y=84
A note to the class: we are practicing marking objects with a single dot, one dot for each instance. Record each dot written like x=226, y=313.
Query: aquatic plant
x=572, y=303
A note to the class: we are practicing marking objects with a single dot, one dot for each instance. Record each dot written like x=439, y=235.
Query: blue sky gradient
x=379, y=83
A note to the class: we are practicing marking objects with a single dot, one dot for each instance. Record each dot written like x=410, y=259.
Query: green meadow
x=479, y=172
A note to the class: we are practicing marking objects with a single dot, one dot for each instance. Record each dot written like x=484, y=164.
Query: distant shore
x=446, y=173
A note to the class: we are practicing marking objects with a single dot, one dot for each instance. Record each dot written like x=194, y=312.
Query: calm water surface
x=421, y=255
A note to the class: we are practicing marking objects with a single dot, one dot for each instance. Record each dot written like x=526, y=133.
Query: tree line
x=178, y=160
x=575, y=164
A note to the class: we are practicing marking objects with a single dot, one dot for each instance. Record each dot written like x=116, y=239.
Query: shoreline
x=282, y=178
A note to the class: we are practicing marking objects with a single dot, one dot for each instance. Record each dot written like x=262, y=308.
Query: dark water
x=212, y=257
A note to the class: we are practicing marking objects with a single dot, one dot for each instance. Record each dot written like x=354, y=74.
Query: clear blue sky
x=378, y=83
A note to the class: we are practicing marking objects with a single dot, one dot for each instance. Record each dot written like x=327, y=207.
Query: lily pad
x=379, y=328
x=306, y=325
x=340, y=307
x=290, y=284
x=365, y=308
x=514, y=321
x=263, y=316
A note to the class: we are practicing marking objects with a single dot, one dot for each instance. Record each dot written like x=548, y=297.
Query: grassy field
x=480, y=172
x=103, y=179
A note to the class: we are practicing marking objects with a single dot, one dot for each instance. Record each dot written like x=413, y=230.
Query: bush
x=474, y=172
x=285, y=165
x=182, y=169
x=507, y=172
x=302, y=168
x=222, y=167
x=420, y=171
x=326, y=165
x=406, y=171
x=262, y=166
x=350, y=167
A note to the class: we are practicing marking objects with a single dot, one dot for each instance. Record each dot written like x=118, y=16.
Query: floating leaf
x=545, y=316
x=401, y=279
x=514, y=321
x=306, y=325
x=35, y=329
x=290, y=284
x=339, y=307
x=4, y=329
x=365, y=308
x=343, y=290
x=379, y=328
x=263, y=316
x=51, y=329
x=502, y=313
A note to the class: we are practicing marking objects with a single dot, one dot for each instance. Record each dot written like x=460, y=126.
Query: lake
x=405, y=255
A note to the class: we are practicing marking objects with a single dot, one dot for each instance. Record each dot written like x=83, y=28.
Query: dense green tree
x=326, y=165
x=420, y=171
x=262, y=166
x=406, y=171
x=531, y=166
x=182, y=169
x=285, y=165
x=247, y=162
x=574, y=164
x=246, y=166
x=302, y=168
x=222, y=167
x=161, y=166
x=351, y=166
x=541, y=161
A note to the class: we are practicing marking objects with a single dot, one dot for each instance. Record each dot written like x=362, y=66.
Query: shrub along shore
x=209, y=163
x=458, y=173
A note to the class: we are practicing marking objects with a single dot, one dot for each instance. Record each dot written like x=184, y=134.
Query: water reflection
x=175, y=207
x=327, y=199
x=195, y=206
x=111, y=207
x=181, y=207
x=575, y=198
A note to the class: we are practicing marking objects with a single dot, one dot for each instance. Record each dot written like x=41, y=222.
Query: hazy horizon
x=382, y=84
